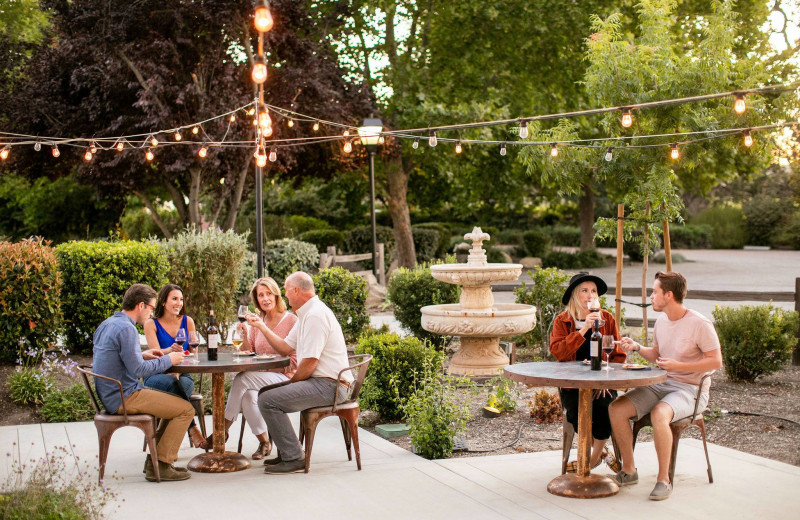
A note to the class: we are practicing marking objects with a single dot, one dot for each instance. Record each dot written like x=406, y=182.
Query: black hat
x=579, y=279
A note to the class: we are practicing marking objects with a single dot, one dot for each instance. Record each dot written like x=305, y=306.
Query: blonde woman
x=271, y=314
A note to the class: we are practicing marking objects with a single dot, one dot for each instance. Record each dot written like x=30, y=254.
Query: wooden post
x=381, y=265
x=645, y=237
x=667, y=245
x=796, y=356
x=620, y=240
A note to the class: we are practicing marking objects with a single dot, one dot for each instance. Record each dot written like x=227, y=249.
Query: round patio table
x=576, y=374
x=219, y=460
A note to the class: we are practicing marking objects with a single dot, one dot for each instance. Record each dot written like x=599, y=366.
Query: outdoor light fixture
x=261, y=157
x=290, y=123
x=503, y=149
x=273, y=155
x=153, y=140
x=251, y=111
x=259, y=73
x=149, y=155
x=37, y=146
x=370, y=133
x=178, y=135
x=348, y=146
x=232, y=119
x=195, y=129
x=748, y=139
x=316, y=126
x=4, y=152
x=627, y=118
x=346, y=133
x=553, y=150
x=88, y=156
x=674, y=152
x=55, y=151
x=432, y=141
x=415, y=144
x=264, y=121
x=263, y=18
x=739, y=105
x=202, y=152
x=523, y=130
x=93, y=148
x=267, y=132
x=609, y=154
x=459, y=149
x=119, y=146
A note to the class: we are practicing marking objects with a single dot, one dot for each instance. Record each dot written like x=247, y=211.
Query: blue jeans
x=182, y=386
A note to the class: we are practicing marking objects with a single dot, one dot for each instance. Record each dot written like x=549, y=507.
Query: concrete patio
x=397, y=484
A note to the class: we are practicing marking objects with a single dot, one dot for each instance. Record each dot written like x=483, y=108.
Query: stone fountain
x=476, y=319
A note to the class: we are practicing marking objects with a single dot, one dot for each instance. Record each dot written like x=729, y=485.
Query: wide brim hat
x=579, y=279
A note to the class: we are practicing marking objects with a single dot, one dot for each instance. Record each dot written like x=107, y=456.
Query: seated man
x=686, y=345
x=117, y=354
x=321, y=354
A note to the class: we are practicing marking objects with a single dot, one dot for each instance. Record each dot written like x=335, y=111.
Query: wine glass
x=194, y=343
x=180, y=338
x=608, y=347
x=241, y=314
x=594, y=306
x=236, y=339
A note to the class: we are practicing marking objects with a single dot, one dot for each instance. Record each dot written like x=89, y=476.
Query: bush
x=762, y=218
x=69, y=405
x=511, y=237
x=208, y=266
x=30, y=296
x=346, y=294
x=502, y=394
x=323, y=238
x=587, y=259
x=727, y=226
x=301, y=224
x=358, y=241
x=789, y=235
x=634, y=249
x=411, y=289
x=395, y=365
x=29, y=386
x=545, y=293
x=537, y=243
x=565, y=236
x=96, y=275
x=690, y=236
x=756, y=340
x=426, y=243
x=545, y=407
x=285, y=256
x=444, y=236
x=495, y=255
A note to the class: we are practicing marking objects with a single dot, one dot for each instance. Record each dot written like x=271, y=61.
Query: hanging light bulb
x=415, y=144
x=273, y=155
x=346, y=133
x=459, y=149
x=261, y=157
x=748, y=139
x=251, y=111
x=523, y=130
x=259, y=73
x=119, y=145
x=55, y=151
x=88, y=156
x=149, y=155
x=232, y=119
x=263, y=19
x=381, y=140
x=267, y=132
x=153, y=141
x=196, y=129
x=316, y=126
x=674, y=152
x=553, y=150
x=178, y=136
x=37, y=146
x=202, y=152
x=503, y=149
x=627, y=118
x=432, y=141
x=222, y=180
x=290, y=123
x=609, y=154
x=264, y=121
x=4, y=152
x=348, y=147
x=93, y=148
x=739, y=105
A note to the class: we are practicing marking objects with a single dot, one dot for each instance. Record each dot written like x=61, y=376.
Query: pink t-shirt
x=685, y=340
x=262, y=346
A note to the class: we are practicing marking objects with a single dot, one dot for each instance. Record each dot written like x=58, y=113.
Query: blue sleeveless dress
x=165, y=340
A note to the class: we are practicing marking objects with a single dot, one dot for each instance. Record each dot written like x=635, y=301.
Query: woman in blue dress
x=160, y=332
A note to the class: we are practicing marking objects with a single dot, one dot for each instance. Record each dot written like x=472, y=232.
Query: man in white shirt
x=321, y=354
x=686, y=345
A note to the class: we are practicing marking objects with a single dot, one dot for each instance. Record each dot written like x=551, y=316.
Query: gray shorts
x=679, y=396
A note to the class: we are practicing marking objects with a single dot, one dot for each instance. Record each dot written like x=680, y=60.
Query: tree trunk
x=586, y=213
x=398, y=209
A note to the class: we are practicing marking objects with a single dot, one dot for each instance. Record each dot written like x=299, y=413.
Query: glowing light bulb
x=609, y=154
x=154, y=141
x=202, y=152
x=553, y=150
x=195, y=129
x=290, y=123
x=267, y=132
x=748, y=139
x=259, y=73
x=37, y=146
x=178, y=136
x=432, y=141
x=503, y=149
x=88, y=156
x=93, y=148
x=273, y=155
x=415, y=144
x=261, y=157
x=264, y=121
x=674, y=152
x=381, y=140
x=4, y=153
x=627, y=118
x=232, y=119
x=263, y=19
x=251, y=111
x=149, y=155
x=348, y=147
x=56, y=152
x=119, y=146
x=739, y=106
x=459, y=149
x=346, y=133
x=222, y=180
x=523, y=130
x=316, y=126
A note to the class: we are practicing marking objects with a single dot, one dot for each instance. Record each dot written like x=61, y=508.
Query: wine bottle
x=213, y=338
x=594, y=345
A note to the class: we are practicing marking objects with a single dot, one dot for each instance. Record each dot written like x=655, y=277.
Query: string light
x=316, y=126
x=459, y=149
x=93, y=148
x=381, y=140
x=609, y=154
x=674, y=152
x=37, y=146
x=432, y=141
x=348, y=147
x=195, y=129
x=263, y=19
x=153, y=140
x=149, y=155
x=4, y=152
x=261, y=157
x=222, y=180
x=259, y=73
x=503, y=149
x=739, y=106
x=202, y=152
x=290, y=123
x=346, y=133
x=627, y=118
x=178, y=135
x=273, y=155
x=748, y=139
x=87, y=156
x=415, y=144
x=553, y=150
x=523, y=130
x=264, y=121
x=55, y=151
x=232, y=119
x=119, y=145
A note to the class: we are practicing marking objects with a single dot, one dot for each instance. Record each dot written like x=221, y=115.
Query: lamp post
x=370, y=133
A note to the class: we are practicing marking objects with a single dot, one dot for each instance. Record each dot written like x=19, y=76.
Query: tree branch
x=141, y=80
x=153, y=213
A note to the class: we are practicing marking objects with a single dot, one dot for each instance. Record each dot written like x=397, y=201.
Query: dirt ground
x=771, y=433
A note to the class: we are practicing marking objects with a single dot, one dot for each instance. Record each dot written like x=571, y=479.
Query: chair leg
x=308, y=426
x=347, y=437
x=702, y=425
x=241, y=435
x=569, y=435
x=201, y=417
x=302, y=433
x=350, y=417
x=149, y=438
x=673, y=458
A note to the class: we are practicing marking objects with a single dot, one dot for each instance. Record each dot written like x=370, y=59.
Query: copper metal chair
x=677, y=426
x=196, y=400
x=347, y=411
x=107, y=423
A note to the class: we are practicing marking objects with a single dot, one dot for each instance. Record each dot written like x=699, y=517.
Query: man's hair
x=674, y=282
x=302, y=281
x=136, y=294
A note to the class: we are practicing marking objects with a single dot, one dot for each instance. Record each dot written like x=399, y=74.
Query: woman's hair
x=574, y=306
x=273, y=288
x=163, y=294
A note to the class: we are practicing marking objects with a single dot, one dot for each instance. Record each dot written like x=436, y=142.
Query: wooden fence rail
x=332, y=258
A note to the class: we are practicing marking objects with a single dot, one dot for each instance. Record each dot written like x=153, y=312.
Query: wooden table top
x=576, y=374
x=225, y=363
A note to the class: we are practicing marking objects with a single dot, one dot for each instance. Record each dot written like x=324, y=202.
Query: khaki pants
x=178, y=412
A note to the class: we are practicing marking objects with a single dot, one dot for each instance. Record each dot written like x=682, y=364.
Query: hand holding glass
x=180, y=338
x=241, y=314
x=594, y=306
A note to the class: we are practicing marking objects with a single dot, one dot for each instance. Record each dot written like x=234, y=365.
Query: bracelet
x=638, y=348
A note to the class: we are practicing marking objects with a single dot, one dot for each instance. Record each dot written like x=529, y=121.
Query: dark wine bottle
x=213, y=338
x=594, y=345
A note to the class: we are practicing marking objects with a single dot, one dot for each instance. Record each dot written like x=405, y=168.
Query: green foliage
x=511, y=237
x=137, y=222
x=789, y=234
x=545, y=293
x=690, y=236
x=30, y=296
x=323, y=238
x=346, y=294
x=763, y=215
x=411, y=289
x=301, y=223
x=502, y=394
x=444, y=237
x=436, y=411
x=756, y=340
x=358, y=241
x=565, y=236
x=391, y=377
x=634, y=244
x=587, y=259
x=96, y=275
x=29, y=386
x=209, y=267
x=495, y=255
x=285, y=256
x=426, y=243
x=727, y=226
x=537, y=243
x=69, y=405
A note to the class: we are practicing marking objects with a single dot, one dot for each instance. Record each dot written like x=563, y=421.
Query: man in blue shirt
x=117, y=354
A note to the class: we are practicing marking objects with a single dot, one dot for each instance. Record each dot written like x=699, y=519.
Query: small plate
x=243, y=354
x=634, y=366
x=266, y=356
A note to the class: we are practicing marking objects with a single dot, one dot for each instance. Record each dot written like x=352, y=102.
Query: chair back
x=85, y=373
x=358, y=367
x=703, y=387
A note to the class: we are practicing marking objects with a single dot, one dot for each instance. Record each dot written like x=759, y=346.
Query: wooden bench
x=332, y=258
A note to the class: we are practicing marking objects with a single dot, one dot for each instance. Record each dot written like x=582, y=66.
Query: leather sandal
x=572, y=467
x=208, y=442
x=264, y=449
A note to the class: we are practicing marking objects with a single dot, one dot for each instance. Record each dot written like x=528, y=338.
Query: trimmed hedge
x=285, y=256
x=96, y=276
x=589, y=258
x=426, y=243
x=690, y=236
x=358, y=241
x=346, y=294
x=323, y=238
x=537, y=243
x=444, y=236
x=302, y=223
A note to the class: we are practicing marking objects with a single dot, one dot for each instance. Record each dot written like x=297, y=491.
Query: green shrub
x=789, y=235
x=690, y=236
x=69, y=405
x=323, y=238
x=426, y=243
x=346, y=294
x=396, y=362
x=502, y=394
x=727, y=226
x=209, y=267
x=96, y=275
x=565, y=236
x=30, y=297
x=756, y=340
x=301, y=223
x=496, y=255
x=411, y=289
x=285, y=256
x=358, y=241
x=633, y=246
x=137, y=222
x=545, y=293
x=29, y=386
x=444, y=236
x=762, y=217
x=537, y=243
x=587, y=259
x=511, y=237
x=590, y=258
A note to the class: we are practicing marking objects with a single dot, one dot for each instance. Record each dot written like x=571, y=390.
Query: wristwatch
x=638, y=347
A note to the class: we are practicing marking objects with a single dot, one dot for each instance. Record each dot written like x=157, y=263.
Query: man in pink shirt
x=686, y=345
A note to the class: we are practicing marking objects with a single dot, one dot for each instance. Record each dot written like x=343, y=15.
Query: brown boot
x=264, y=449
x=148, y=463
x=167, y=473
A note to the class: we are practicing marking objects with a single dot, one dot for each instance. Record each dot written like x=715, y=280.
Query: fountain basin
x=502, y=319
x=467, y=275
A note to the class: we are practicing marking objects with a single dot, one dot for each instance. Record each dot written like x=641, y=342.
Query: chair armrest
x=699, y=393
x=86, y=369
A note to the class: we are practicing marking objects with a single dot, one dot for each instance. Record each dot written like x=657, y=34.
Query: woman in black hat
x=569, y=341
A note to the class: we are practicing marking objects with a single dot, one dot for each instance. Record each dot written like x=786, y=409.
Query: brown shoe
x=148, y=463
x=167, y=473
x=264, y=449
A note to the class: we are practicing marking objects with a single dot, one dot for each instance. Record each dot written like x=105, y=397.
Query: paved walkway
x=395, y=484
